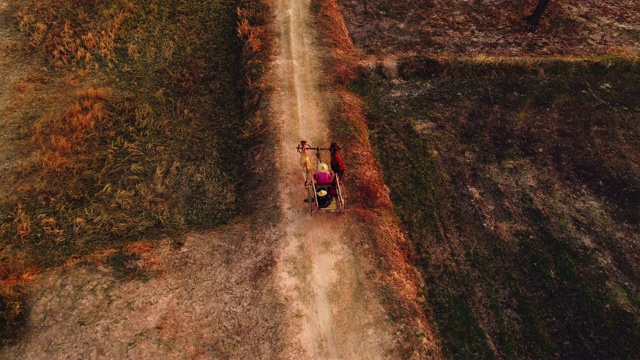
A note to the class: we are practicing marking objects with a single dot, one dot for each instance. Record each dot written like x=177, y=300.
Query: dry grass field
x=121, y=120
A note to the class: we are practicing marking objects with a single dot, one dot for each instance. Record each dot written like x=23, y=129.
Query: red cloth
x=337, y=165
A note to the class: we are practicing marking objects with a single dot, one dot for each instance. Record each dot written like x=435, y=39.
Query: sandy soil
x=333, y=313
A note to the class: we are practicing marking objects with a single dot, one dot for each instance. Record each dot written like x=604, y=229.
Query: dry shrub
x=53, y=161
x=13, y=313
x=22, y=223
x=14, y=272
x=60, y=144
x=50, y=229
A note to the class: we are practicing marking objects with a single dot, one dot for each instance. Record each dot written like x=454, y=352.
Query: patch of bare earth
x=212, y=296
x=494, y=27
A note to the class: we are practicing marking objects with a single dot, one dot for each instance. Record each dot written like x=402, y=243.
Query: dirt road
x=333, y=314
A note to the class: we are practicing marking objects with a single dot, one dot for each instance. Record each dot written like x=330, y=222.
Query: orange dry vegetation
x=143, y=251
x=14, y=274
x=76, y=43
x=14, y=271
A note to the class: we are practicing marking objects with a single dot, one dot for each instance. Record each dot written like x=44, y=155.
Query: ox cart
x=325, y=192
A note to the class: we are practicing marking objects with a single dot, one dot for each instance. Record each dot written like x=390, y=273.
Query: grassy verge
x=140, y=117
x=516, y=184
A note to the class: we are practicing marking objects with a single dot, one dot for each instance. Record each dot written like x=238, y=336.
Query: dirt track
x=333, y=314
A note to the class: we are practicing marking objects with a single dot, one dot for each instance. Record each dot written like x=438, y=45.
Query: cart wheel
x=341, y=197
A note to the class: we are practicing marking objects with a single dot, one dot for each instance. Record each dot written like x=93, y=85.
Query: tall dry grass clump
x=60, y=139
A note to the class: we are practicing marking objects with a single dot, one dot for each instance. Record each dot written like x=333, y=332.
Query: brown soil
x=494, y=27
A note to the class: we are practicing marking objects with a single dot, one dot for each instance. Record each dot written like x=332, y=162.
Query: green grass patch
x=499, y=172
x=459, y=330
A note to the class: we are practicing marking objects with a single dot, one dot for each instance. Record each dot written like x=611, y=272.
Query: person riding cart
x=323, y=176
x=324, y=199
